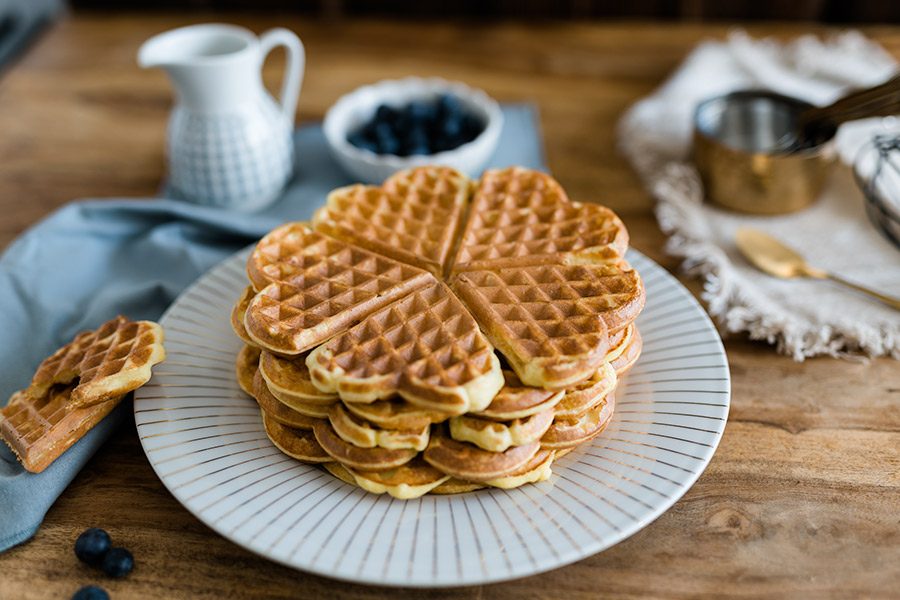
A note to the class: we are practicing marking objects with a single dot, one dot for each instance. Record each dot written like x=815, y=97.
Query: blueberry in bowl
x=423, y=126
x=398, y=124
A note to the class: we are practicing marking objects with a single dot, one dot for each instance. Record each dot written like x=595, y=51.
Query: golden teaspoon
x=771, y=256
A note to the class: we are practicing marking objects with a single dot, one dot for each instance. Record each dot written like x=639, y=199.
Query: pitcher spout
x=211, y=66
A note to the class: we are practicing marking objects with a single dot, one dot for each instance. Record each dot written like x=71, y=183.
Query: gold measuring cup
x=761, y=152
x=733, y=138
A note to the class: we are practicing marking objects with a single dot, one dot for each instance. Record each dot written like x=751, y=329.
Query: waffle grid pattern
x=413, y=217
x=109, y=361
x=519, y=215
x=425, y=336
x=384, y=328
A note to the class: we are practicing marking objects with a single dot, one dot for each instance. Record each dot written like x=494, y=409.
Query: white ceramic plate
x=205, y=440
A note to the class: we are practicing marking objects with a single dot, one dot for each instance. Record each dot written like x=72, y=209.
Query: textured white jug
x=230, y=143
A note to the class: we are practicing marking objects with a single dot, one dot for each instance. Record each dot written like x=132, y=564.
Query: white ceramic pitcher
x=230, y=144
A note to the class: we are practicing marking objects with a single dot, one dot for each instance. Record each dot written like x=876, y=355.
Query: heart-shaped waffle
x=552, y=322
x=315, y=285
x=425, y=347
x=413, y=217
x=102, y=364
x=399, y=358
x=519, y=216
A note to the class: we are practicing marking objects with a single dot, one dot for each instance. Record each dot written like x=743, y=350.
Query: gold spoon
x=771, y=256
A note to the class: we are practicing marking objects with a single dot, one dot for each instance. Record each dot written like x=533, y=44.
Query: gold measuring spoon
x=771, y=256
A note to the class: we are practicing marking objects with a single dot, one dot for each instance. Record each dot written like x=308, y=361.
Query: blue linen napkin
x=92, y=260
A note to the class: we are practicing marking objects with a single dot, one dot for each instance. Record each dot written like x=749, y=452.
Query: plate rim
x=525, y=570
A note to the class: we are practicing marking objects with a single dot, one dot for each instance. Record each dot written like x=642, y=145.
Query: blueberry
x=452, y=127
x=386, y=139
x=386, y=114
x=448, y=104
x=92, y=545
x=91, y=592
x=361, y=141
x=118, y=562
x=418, y=150
x=422, y=112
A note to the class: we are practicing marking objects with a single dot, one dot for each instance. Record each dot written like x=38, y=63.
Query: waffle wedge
x=471, y=463
x=412, y=480
x=519, y=216
x=552, y=322
x=496, y=436
x=318, y=286
x=413, y=217
x=103, y=364
x=39, y=429
x=426, y=347
x=568, y=433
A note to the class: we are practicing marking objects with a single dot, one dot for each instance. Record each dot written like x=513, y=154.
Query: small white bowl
x=355, y=109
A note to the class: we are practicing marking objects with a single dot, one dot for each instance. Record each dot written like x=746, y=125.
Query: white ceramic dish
x=205, y=440
x=353, y=110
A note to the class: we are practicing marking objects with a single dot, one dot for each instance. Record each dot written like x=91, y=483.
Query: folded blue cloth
x=92, y=260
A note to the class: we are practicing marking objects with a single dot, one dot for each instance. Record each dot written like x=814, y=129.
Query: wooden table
x=803, y=496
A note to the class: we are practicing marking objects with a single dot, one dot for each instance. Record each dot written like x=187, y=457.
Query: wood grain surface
x=802, y=498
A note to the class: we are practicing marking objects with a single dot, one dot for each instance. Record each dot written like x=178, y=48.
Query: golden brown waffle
x=103, y=364
x=426, y=347
x=278, y=411
x=245, y=367
x=587, y=394
x=632, y=351
x=470, y=463
x=517, y=400
x=290, y=381
x=497, y=436
x=412, y=480
x=552, y=322
x=413, y=217
x=536, y=469
x=323, y=287
x=457, y=486
x=396, y=413
x=354, y=457
x=39, y=429
x=239, y=312
x=358, y=432
x=519, y=216
x=296, y=443
x=568, y=433
x=358, y=332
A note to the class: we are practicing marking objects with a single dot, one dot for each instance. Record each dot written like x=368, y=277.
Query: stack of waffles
x=439, y=335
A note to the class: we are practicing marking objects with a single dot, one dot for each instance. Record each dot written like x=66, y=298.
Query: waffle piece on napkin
x=103, y=364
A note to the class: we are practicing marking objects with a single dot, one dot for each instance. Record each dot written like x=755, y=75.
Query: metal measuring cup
x=736, y=151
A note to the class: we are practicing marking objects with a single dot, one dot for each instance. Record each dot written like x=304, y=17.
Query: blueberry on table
x=91, y=592
x=92, y=545
x=118, y=562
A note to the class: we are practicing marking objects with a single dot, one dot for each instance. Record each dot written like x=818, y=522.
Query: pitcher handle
x=296, y=63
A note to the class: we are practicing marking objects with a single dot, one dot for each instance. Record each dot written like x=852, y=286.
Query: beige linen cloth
x=802, y=317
